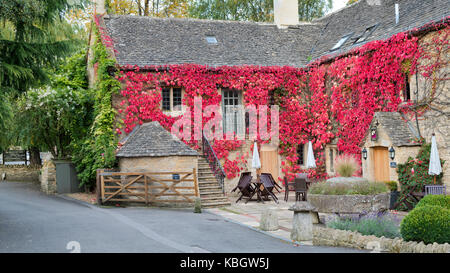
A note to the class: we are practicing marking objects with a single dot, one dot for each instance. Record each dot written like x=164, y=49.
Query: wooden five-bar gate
x=147, y=187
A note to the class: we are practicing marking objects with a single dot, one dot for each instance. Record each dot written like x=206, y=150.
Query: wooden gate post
x=98, y=187
x=195, y=183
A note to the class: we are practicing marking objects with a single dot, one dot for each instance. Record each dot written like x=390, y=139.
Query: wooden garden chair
x=245, y=186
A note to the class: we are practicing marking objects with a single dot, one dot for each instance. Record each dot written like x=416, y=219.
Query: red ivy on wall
x=320, y=102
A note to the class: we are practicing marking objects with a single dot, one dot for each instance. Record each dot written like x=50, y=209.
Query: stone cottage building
x=149, y=42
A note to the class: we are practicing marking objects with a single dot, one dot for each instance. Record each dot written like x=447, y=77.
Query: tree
x=54, y=116
x=155, y=8
x=253, y=10
x=33, y=36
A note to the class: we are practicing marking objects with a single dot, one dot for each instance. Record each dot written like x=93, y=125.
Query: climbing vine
x=97, y=149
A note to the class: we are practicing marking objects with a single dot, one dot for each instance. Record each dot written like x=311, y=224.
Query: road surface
x=31, y=221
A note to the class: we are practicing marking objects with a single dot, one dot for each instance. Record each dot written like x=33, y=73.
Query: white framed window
x=172, y=98
x=233, y=119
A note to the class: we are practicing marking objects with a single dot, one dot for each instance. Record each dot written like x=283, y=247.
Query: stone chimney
x=99, y=7
x=285, y=13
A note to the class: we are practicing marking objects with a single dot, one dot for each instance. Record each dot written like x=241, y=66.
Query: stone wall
x=48, y=177
x=19, y=173
x=343, y=238
x=401, y=154
x=436, y=119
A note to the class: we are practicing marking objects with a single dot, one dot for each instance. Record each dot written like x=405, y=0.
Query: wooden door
x=381, y=164
x=269, y=163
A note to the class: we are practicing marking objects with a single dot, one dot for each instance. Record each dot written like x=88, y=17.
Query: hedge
x=428, y=224
x=435, y=200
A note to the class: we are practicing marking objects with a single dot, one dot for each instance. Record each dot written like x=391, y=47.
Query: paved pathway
x=249, y=214
x=31, y=221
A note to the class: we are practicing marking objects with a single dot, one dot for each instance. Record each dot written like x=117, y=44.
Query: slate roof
x=361, y=15
x=160, y=41
x=152, y=140
x=396, y=128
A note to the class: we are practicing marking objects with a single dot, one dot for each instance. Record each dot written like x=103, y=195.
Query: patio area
x=249, y=214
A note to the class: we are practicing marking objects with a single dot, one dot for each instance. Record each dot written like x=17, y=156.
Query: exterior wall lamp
x=392, y=153
x=364, y=153
x=373, y=131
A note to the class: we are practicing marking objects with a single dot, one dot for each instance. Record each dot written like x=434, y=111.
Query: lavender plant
x=378, y=224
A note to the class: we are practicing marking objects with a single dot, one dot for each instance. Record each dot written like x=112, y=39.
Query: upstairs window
x=211, y=39
x=341, y=42
x=366, y=34
x=171, y=99
x=407, y=89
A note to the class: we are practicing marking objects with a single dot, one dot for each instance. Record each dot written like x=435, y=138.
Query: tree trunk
x=35, y=158
x=146, y=7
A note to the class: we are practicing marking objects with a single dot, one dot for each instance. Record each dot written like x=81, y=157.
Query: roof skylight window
x=366, y=34
x=211, y=39
x=341, y=42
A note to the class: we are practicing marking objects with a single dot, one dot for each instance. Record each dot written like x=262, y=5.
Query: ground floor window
x=301, y=154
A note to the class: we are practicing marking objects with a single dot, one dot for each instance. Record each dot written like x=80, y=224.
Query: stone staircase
x=209, y=188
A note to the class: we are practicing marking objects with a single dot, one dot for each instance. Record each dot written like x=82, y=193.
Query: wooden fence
x=151, y=187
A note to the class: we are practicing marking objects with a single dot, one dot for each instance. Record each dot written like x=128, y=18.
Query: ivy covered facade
x=325, y=94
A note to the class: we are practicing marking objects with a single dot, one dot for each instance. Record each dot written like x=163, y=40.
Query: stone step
x=215, y=187
x=211, y=192
x=220, y=197
x=205, y=172
x=206, y=177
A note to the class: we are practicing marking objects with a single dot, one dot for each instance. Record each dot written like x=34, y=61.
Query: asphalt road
x=31, y=221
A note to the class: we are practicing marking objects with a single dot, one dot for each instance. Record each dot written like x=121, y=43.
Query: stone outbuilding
x=151, y=148
x=390, y=140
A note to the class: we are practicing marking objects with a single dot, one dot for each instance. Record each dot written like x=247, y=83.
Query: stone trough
x=351, y=204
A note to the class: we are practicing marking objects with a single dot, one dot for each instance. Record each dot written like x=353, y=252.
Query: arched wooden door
x=381, y=163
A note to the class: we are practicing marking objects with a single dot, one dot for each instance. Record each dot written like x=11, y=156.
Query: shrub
x=415, y=180
x=333, y=188
x=346, y=165
x=428, y=224
x=442, y=201
x=392, y=185
x=371, y=224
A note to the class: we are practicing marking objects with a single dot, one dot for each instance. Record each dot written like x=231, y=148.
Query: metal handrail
x=213, y=161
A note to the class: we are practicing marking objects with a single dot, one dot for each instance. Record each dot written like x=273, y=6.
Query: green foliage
x=52, y=117
x=428, y=224
x=253, y=10
x=416, y=181
x=378, y=225
x=392, y=185
x=97, y=149
x=435, y=200
x=336, y=188
x=33, y=36
x=6, y=117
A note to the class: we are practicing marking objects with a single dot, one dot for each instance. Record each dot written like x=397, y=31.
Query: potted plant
x=393, y=187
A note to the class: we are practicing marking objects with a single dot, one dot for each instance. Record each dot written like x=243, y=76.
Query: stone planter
x=351, y=204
